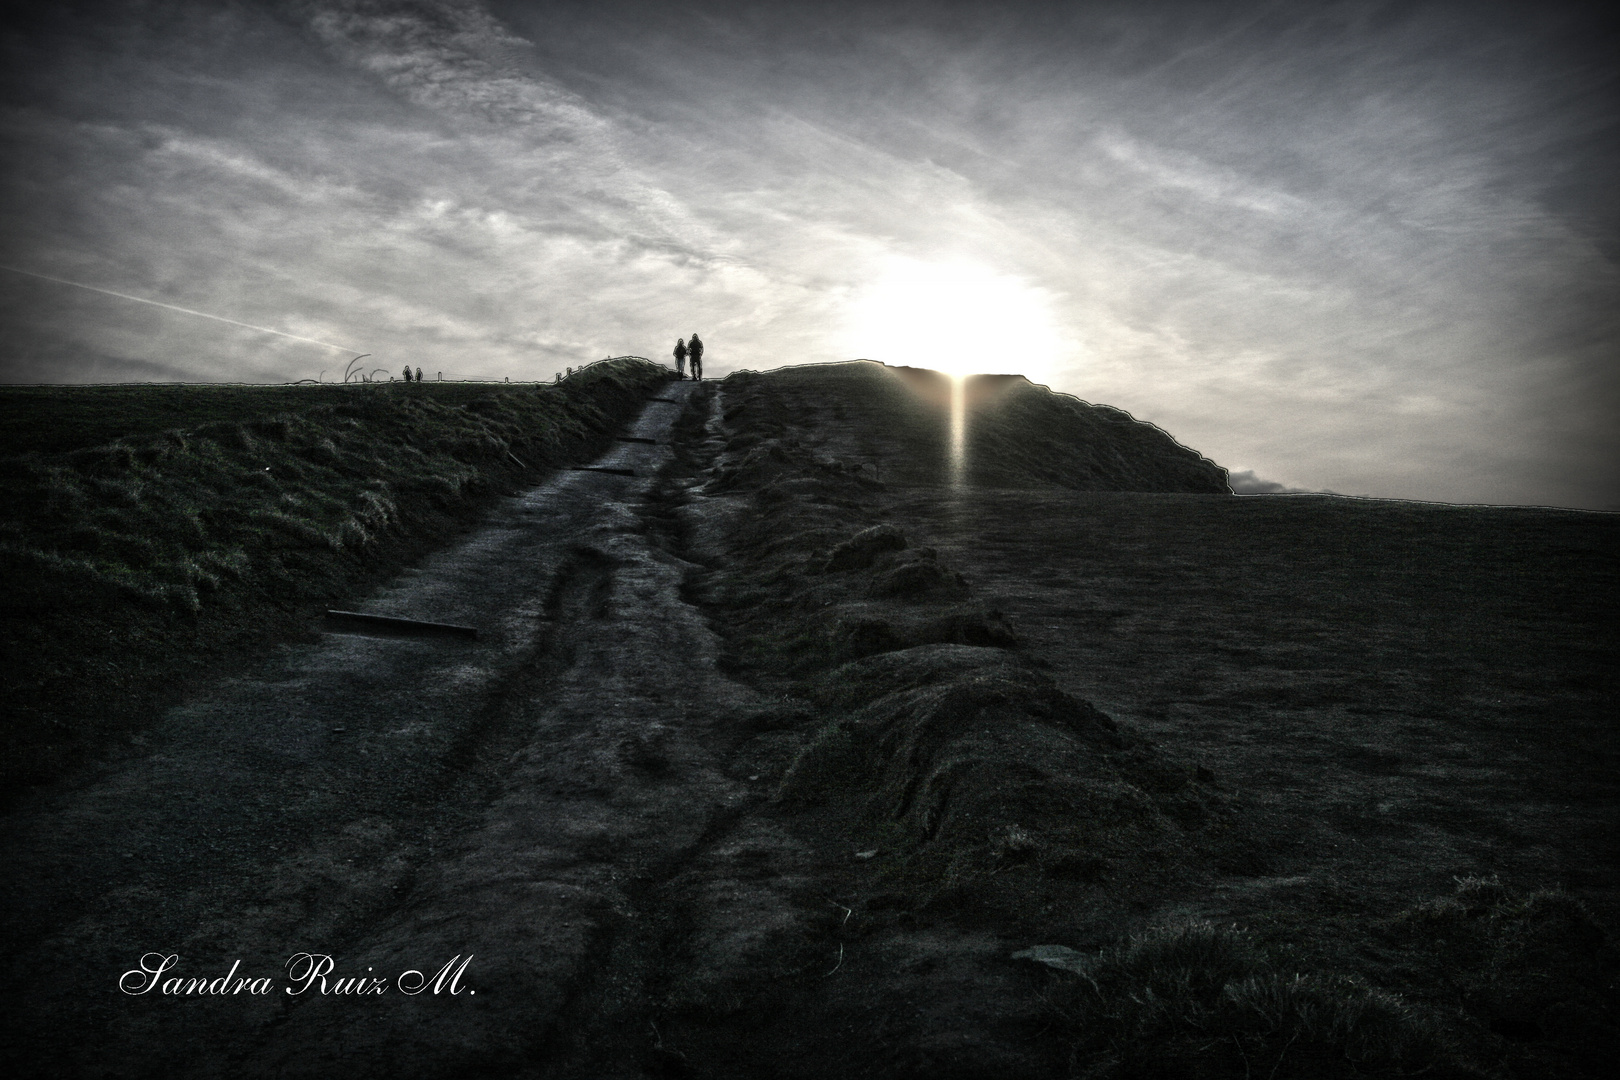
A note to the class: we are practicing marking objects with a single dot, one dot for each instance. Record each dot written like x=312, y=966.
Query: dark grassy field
x=1398, y=697
x=1377, y=738
x=151, y=533
x=1054, y=759
x=56, y=419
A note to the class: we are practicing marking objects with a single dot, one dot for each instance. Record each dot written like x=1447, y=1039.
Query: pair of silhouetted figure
x=408, y=373
x=692, y=350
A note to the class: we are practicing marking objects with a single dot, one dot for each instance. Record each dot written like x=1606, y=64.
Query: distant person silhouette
x=680, y=357
x=694, y=349
x=407, y=373
x=418, y=374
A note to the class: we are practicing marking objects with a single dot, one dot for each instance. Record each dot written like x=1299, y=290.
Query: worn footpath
x=396, y=803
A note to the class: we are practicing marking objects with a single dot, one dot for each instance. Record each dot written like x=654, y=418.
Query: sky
x=1361, y=247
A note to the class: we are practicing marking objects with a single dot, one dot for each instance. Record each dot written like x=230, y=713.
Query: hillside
x=1055, y=710
x=897, y=423
x=794, y=744
x=151, y=533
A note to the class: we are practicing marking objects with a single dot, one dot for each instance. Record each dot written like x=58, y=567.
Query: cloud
x=1363, y=246
x=1245, y=482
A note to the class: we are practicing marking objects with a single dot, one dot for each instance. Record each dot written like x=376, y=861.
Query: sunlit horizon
x=947, y=315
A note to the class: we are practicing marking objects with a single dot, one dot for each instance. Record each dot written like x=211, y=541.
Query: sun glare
x=957, y=317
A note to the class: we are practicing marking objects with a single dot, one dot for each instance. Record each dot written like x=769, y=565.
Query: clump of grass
x=1494, y=982
x=1536, y=976
x=1202, y=1001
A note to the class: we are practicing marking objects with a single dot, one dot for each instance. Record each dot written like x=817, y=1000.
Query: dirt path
x=394, y=803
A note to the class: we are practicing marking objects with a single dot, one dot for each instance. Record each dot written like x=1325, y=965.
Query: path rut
x=398, y=804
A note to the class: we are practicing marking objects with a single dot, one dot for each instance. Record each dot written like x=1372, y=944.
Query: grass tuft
x=1202, y=1001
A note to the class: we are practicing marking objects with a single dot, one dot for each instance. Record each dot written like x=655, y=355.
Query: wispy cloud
x=174, y=307
x=1357, y=245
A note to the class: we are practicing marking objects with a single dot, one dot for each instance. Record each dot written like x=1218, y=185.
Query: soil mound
x=1021, y=433
x=894, y=424
x=967, y=747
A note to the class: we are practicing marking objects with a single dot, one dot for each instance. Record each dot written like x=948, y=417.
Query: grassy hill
x=896, y=424
x=58, y=419
x=150, y=532
x=1267, y=779
x=853, y=741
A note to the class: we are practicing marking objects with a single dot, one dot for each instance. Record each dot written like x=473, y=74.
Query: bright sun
x=956, y=317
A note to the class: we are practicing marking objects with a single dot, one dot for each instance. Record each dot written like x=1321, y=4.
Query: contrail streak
x=174, y=307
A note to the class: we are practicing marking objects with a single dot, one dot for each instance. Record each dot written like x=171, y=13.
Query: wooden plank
x=359, y=621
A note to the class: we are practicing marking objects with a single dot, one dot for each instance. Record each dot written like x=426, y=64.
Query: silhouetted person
x=407, y=373
x=680, y=357
x=694, y=349
x=418, y=374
